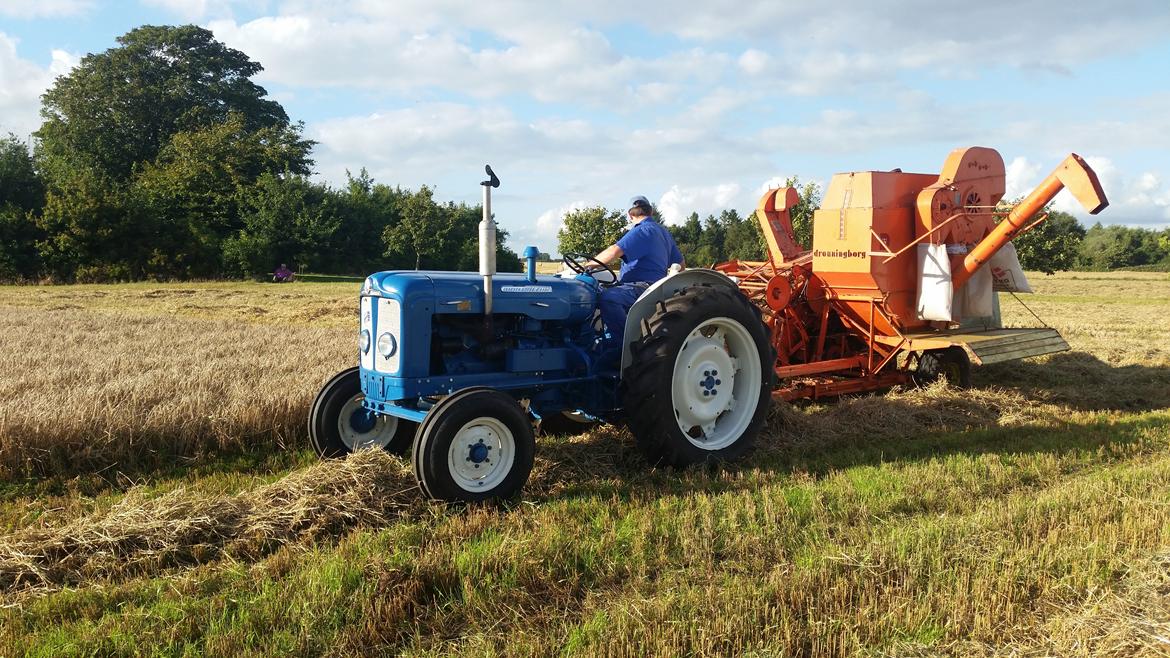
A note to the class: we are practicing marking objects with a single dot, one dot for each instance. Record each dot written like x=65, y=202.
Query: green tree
x=367, y=209
x=192, y=190
x=20, y=183
x=1113, y=247
x=462, y=242
x=144, y=149
x=119, y=108
x=22, y=197
x=1053, y=245
x=744, y=240
x=802, y=213
x=286, y=220
x=589, y=230
x=420, y=230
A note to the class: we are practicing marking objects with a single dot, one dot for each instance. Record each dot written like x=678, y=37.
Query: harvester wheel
x=949, y=363
x=474, y=445
x=699, y=385
x=338, y=425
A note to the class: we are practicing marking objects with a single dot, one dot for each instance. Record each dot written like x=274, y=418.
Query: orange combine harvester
x=900, y=282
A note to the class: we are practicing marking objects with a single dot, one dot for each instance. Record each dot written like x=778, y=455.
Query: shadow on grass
x=867, y=430
x=1083, y=382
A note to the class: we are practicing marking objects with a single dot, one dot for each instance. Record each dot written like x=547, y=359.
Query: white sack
x=935, y=290
x=1006, y=271
x=978, y=293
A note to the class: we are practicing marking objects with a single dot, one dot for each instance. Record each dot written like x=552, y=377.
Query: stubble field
x=157, y=496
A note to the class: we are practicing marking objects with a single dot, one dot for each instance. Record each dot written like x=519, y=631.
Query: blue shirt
x=648, y=250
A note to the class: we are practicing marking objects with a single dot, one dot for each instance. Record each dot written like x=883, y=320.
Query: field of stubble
x=157, y=497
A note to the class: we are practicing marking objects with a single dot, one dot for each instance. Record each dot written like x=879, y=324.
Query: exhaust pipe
x=487, y=240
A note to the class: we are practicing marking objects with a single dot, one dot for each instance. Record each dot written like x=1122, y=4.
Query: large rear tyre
x=474, y=445
x=339, y=425
x=949, y=363
x=700, y=382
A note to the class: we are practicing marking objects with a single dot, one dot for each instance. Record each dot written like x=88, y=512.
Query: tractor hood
x=546, y=298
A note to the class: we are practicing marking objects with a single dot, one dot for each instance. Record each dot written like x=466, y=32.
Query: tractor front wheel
x=700, y=383
x=339, y=425
x=474, y=445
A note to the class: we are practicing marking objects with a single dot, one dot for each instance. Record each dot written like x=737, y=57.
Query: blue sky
x=699, y=105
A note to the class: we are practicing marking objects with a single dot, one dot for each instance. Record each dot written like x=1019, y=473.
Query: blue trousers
x=615, y=306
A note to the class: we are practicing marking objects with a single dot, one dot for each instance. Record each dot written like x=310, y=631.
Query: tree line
x=1058, y=243
x=161, y=159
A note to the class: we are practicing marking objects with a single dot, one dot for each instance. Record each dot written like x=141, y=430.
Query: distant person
x=283, y=274
x=647, y=251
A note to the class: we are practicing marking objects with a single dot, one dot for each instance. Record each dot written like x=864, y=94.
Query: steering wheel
x=581, y=264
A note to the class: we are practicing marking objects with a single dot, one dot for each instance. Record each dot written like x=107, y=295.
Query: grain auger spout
x=1074, y=174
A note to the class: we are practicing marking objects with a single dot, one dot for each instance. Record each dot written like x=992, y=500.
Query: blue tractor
x=463, y=370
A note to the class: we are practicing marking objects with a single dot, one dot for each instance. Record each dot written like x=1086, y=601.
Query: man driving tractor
x=647, y=251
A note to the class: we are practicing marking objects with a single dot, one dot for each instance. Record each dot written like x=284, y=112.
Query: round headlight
x=387, y=346
x=364, y=341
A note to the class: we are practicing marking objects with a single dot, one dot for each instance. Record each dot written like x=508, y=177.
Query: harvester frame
x=879, y=341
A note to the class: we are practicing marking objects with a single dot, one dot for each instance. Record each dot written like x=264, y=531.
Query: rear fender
x=660, y=290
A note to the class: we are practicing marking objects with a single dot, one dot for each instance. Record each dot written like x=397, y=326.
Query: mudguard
x=662, y=289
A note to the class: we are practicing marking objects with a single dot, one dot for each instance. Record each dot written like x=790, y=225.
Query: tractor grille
x=381, y=316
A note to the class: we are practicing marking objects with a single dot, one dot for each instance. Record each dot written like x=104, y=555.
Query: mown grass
x=1030, y=516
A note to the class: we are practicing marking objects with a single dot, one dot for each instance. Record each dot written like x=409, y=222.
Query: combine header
x=899, y=283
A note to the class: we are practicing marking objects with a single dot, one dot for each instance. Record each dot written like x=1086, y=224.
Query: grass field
x=157, y=497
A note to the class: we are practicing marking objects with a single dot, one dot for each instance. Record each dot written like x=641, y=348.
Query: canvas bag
x=935, y=289
x=1006, y=273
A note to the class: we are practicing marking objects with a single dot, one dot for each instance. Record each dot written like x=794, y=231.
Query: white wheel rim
x=377, y=436
x=481, y=454
x=716, y=384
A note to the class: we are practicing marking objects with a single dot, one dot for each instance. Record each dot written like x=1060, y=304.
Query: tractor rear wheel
x=949, y=363
x=474, y=445
x=700, y=383
x=339, y=425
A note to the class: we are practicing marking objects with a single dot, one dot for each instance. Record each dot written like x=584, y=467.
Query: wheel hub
x=481, y=454
x=362, y=421
x=360, y=428
x=478, y=452
x=707, y=363
x=713, y=398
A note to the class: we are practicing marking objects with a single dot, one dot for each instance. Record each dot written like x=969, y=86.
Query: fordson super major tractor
x=463, y=369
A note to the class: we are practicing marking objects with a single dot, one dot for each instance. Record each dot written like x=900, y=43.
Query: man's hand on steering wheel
x=582, y=264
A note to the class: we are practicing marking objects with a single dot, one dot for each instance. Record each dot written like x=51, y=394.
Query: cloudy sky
x=699, y=105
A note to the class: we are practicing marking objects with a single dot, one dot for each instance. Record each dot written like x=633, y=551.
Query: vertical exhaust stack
x=487, y=240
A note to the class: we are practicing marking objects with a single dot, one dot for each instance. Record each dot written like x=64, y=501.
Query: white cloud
x=1021, y=176
x=1140, y=200
x=546, y=227
x=679, y=202
x=44, y=8
x=21, y=84
x=753, y=61
x=572, y=64
x=561, y=104
x=195, y=10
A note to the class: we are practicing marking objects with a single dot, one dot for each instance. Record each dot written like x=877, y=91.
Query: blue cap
x=639, y=201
